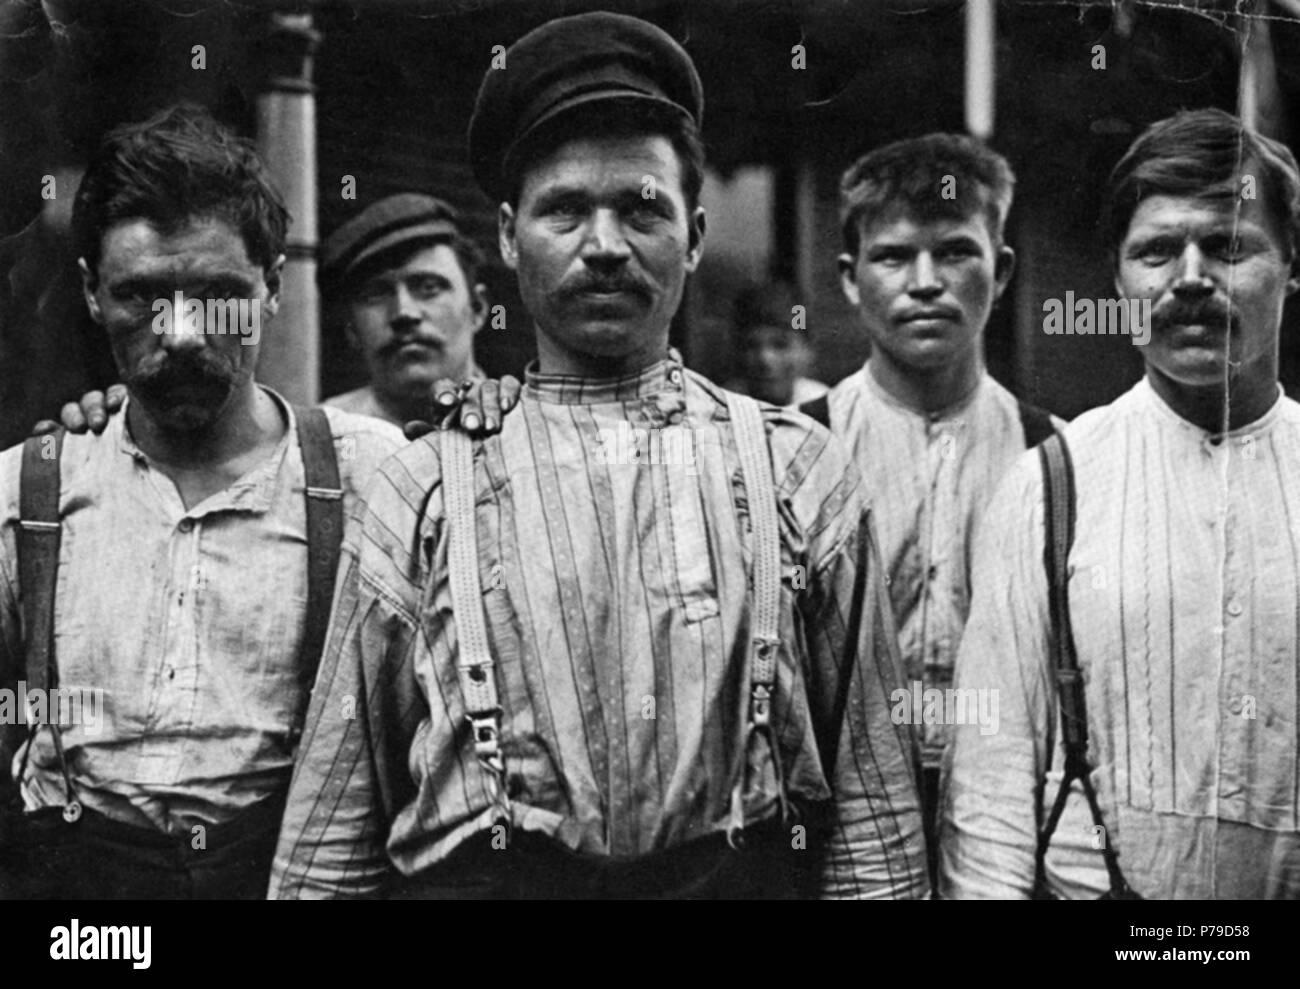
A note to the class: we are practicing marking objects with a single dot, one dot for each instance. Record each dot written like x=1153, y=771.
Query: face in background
x=415, y=323
x=184, y=380
x=924, y=288
x=771, y=358
x=1217, y=274
x=601, y=263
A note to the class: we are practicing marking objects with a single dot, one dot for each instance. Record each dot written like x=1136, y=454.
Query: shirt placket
x=175, y=680
x=941, y=452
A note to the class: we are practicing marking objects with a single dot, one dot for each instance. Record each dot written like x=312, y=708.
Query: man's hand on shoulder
x=477, y=407
x=88, y=415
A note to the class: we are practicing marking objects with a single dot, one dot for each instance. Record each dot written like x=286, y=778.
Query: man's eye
x=891, y=259
x=1230, y=249
x=564, y=209
x=1156, y=253
x=645, y=211
x=955, y=253
x=425, y=288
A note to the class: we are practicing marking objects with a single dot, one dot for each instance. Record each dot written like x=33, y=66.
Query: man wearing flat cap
x=637, y=644
x=408, y=277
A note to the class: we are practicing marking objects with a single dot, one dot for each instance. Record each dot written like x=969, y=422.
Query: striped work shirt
x=1184, y=597
x=178, y=630
x=928, y=478
x=618, y=613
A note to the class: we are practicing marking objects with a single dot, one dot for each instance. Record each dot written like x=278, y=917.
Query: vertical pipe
x=980, y=42
x=1258, y=100
x=286, y=135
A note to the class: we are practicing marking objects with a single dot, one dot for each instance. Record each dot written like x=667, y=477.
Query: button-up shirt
x=182, y=626
x=617, y=608
x=929, y=477
x=1184, y=595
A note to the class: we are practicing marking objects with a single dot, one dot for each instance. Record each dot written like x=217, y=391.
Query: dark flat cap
x=569, y=63
x=387, y=223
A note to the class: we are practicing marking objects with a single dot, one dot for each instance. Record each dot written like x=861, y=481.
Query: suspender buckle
x=760, y=705
x=72, y=811
x=487, y=738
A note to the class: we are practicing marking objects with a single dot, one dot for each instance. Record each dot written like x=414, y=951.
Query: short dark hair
x=612, y=118
x=178, y=165
x=1201, y=154
x=468, y=255
x=915, y=173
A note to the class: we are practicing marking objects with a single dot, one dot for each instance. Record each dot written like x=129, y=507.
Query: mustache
x=590, y=282
x=192, y=370
x=1211, y=311
x=396, y=344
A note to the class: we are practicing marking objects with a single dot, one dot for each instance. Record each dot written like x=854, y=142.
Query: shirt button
x=186, y=525
x=1234, y=607
x=675, y=376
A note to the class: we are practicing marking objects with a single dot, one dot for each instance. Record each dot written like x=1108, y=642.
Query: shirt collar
x=663, y=376
x=254, y=492
x=1151, y=398
x=938, y=415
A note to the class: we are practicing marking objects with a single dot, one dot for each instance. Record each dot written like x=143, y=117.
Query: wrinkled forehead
x=1218, y=209
x=202, y=244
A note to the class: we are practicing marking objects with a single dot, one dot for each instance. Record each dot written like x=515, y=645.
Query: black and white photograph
x=612, y=450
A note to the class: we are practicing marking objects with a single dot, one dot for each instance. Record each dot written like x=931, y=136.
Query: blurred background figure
x=771, y=346
x=408, y=279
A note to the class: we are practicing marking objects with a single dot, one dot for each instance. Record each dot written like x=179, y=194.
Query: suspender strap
x=1059, y=518
x=324, y=538
x=39, y=534
x=760, y=492
x=1035, y=424
x=475, y=668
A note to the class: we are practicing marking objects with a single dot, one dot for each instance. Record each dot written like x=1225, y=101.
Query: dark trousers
x=771, y=865
x=97, y=858
x=930, y=819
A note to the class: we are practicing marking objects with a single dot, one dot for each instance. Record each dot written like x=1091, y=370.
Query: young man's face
x=771, y=358
x=924, y=288
x=184, y=372
x=602, y=241
x=415, y=323
x=1217, y=274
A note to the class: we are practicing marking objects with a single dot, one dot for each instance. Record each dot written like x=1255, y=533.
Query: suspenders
x=324, y=539
x=39, y=534
x=1058, y=520
x=475, y=668
x=38, y=561
x=760, y=493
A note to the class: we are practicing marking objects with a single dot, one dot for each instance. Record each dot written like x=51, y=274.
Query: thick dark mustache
x=1209, y=312
x=183, y=373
